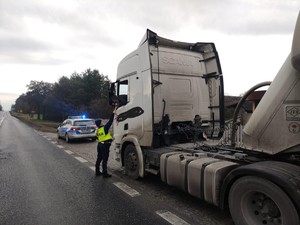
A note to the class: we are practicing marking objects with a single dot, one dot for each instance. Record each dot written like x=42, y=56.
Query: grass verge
x=41, y=125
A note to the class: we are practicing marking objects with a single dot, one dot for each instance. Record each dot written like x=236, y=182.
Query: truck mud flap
x=205, y=176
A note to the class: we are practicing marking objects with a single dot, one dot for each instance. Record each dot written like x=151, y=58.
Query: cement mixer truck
x=170, y=122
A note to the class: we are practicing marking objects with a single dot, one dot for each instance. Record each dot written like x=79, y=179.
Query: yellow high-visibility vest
x=100, y=133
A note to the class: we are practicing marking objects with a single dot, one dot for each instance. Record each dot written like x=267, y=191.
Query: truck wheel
x=257, y=201
x=131, y=162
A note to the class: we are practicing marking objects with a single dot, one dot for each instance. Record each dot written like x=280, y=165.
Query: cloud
x=263, y=17
x=27, y=50
x=90, y=22
x=44, y=39
x=226, y=16
x=35, y=31
x=256, y=17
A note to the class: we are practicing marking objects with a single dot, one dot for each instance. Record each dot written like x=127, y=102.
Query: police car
x=77, y=127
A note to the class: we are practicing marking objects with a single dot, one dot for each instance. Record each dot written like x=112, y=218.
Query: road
x=47, y=181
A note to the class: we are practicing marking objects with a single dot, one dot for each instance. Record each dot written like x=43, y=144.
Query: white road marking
x=166, y=215
x=69, y=152
x=81, y=159
x=171, y=218
x=92, y=168
x=128, y=190
x=53, y=142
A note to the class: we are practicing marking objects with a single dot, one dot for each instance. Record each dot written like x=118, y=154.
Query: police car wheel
x=67, y=138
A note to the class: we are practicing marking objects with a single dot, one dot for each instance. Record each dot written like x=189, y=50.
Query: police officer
x=104, y=141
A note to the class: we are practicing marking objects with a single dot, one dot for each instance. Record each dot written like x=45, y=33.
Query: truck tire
x=257, y=201
x=131, y=162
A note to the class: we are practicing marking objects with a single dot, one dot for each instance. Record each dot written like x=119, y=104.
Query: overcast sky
x=44, y=40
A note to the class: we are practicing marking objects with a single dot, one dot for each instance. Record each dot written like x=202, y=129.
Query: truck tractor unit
x=170, y=122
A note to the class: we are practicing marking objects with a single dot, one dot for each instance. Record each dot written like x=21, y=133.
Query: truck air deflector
x=202, y=47
x=210, y=58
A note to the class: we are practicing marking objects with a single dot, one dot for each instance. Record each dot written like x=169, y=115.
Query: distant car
x=76, y=127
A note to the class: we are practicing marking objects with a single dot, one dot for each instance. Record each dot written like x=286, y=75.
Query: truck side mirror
x=112, y=95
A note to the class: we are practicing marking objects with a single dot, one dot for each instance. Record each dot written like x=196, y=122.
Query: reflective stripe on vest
x=100, y=133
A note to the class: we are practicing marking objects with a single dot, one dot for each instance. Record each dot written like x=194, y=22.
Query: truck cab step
x=153, y=171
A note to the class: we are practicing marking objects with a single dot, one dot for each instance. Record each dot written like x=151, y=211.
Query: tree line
x=85, y=93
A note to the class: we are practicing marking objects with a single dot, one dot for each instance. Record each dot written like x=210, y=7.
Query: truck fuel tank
x=197, y=174
x=173, y=168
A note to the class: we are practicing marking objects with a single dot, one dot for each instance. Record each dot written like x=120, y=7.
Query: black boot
x=98, y=173
x=106, y=175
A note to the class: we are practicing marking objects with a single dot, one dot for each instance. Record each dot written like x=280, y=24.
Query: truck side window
x=123, y=92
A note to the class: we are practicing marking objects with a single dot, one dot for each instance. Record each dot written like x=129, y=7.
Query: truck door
x=129, y=119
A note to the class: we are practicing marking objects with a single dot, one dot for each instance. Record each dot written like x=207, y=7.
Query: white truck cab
x=163, y=87
x=170, y=121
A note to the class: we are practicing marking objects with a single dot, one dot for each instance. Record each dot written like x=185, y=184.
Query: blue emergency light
x=77, y=117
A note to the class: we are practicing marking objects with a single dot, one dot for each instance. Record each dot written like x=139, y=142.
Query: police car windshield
x=84, y=123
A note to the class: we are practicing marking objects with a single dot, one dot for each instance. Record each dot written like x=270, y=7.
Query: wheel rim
x=131, y=162
x=261, y=209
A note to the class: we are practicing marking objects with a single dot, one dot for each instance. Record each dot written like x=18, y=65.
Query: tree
x=37, y=93
x=22, y=104
x=81, y=93
x=85, y=93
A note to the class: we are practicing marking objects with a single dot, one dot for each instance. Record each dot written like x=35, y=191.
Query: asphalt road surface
x=46, y=181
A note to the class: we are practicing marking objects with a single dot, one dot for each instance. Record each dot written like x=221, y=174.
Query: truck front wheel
x=131, y=162
x=257, y=201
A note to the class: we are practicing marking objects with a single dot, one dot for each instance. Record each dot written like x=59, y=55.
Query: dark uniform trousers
x=103, y=153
